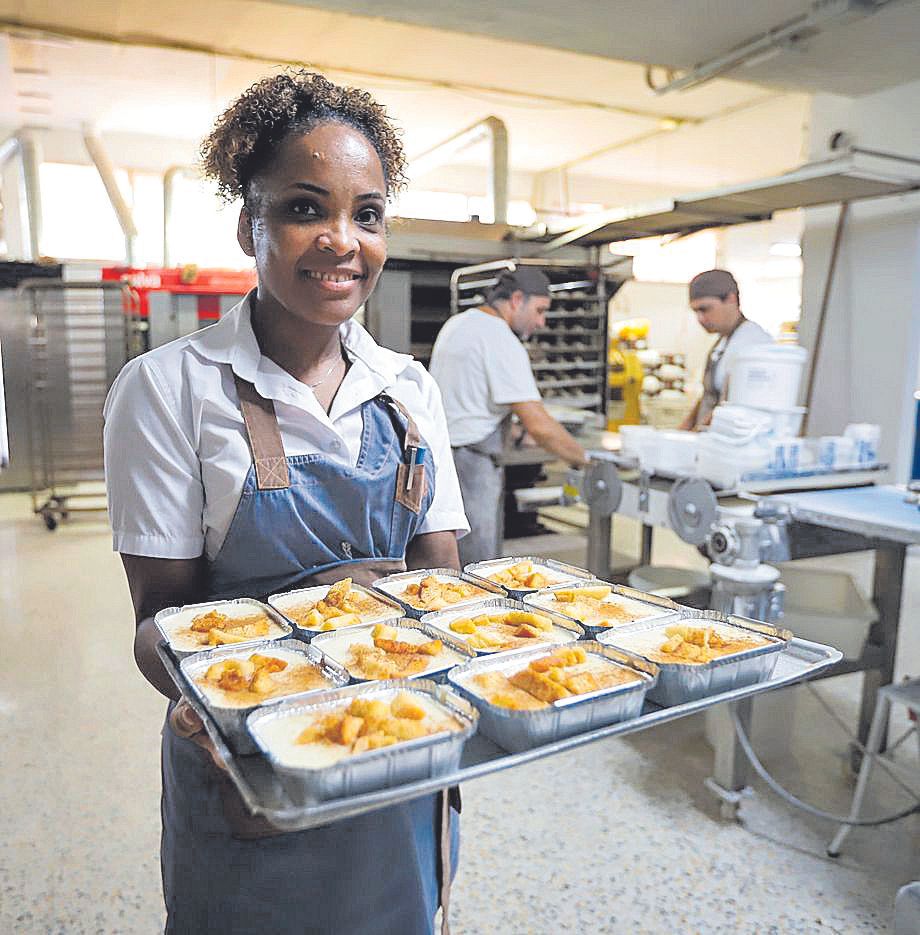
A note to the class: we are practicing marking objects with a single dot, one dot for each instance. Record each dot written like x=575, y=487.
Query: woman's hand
x=185, y=723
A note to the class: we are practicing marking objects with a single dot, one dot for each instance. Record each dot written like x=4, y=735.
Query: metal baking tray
x=162, y=622
x=232, y=721
x=564, y=629
x=659, y=606
x=679, y=683
x=385, y=768
x=264, y=795
x=393, y=583
x=457, y=652
x=317, y=593
x=564, y=573
x=520, y=730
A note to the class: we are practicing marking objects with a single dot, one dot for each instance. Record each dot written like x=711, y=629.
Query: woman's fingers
x=184, y=721
x=188, y=725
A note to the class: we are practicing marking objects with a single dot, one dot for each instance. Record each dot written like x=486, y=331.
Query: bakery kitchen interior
x=460, y=467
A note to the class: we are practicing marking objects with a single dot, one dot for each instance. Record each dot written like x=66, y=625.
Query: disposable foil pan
x=384, y=768
x=562, y=573
x=679, y=683
x=393, y=585
x=288, y=599
x=656, y=607
x=520, y=730
x=334, y=646
x=564, y=629
x=232, y=721
x=165, y=621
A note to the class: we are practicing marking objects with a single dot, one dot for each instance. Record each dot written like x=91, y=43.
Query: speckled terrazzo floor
x=617, y=837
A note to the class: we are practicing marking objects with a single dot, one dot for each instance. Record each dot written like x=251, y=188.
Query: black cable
x=798, y=803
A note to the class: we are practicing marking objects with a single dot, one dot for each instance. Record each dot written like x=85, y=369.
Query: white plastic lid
x=772, y=352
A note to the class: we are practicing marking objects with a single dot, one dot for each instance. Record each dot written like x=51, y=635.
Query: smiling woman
x=279, y=448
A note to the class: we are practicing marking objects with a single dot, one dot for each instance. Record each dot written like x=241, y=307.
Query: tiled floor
x=616, y=837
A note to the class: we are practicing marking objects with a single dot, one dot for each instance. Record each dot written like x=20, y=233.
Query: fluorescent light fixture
x=785, y=248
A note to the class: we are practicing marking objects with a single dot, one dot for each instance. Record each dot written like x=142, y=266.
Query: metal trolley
x=81, y=333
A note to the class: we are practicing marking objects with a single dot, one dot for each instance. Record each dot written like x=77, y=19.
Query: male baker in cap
x=484, y=374
x=714, y=298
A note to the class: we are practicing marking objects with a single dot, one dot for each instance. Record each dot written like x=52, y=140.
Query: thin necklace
x=328, y=373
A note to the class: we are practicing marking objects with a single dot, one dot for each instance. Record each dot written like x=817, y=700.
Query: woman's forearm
x=145, y=655
x=433, y=550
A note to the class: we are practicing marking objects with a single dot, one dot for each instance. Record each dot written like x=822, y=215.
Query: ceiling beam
x=22, y=26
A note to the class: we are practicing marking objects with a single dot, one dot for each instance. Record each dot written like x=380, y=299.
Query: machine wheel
x=51, y=522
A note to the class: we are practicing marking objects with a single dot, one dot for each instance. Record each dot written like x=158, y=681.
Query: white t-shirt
x=176, y=450
x=482, y=367
x=747, y=334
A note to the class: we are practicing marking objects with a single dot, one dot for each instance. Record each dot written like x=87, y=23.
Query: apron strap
x=413, y=437
x=264, y=437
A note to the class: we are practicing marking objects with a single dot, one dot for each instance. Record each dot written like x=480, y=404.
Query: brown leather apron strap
x=413, y=438
x=444, y=844
x=264, y=437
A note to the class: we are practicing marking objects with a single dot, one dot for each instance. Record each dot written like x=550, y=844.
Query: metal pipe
x=169, y=178
x=489, y=129
x=8, y=148
x=769, y=43
x=31, y=153
x=106, y=169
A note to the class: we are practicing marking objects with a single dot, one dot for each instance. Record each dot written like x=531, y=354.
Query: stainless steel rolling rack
x=80, y=336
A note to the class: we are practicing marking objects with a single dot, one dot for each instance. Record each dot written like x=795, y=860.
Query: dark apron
x=482, y=485
x=304, y=520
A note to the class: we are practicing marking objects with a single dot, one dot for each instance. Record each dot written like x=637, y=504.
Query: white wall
x=868, y=364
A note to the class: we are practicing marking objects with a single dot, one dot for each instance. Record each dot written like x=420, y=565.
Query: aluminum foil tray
x=679, y=683
x=232, y=721
x=289, y=599
x=658, y=606
x=393, y=585
x=384, y=768
x=562, y=573
x=515, y=731
x=564, y=630
x=164, y=618
x=334, y=646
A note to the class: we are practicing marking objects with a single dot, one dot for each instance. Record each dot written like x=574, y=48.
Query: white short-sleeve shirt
x=176, y=450
x=482, y=368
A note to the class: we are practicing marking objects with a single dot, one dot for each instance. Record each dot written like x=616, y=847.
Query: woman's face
x=317, y=229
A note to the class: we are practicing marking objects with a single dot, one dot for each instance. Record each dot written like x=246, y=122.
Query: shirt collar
x=232, y=341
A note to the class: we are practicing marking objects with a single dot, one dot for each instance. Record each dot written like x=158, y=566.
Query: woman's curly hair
x=247, y=134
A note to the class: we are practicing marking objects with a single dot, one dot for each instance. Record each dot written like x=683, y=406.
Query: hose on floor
x=797, y=802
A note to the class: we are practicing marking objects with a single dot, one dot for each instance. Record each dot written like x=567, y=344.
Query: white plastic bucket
x=766, y=376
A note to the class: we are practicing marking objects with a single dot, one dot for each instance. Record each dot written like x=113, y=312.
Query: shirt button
x=335, y=445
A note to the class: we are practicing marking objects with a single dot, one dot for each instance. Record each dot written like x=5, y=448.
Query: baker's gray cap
x=714, y=283
x=529, y=279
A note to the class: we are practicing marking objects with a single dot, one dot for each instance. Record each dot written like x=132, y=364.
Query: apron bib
x=304, y=520
x=711, y=396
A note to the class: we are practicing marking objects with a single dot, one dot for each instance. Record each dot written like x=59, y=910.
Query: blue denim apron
x=376, y=873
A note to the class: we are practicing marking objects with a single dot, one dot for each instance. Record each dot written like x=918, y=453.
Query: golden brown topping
x=431, y=594
x=343, y=606
x=367, y=724
x=522, y=575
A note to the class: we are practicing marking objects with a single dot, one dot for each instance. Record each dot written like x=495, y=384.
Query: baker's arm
x=156, y=583
x=689, y=423
x=548, y=433
x=433, y=550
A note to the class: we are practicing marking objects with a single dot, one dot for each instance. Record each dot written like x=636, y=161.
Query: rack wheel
x=50, y=521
